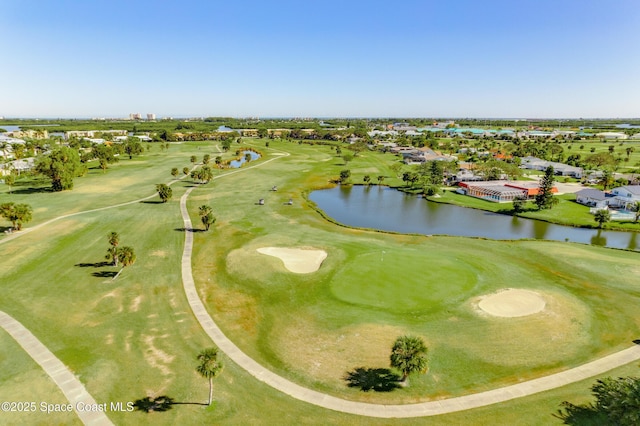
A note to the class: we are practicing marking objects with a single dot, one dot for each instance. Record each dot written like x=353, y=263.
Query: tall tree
x=17, y=214
x=105, y=155
x=175, y=172
x=62, y=165
x=206, y=159
x=164, y=191
x=409, y=355
x=132, y=146
x=544, y=198
x=209, y=367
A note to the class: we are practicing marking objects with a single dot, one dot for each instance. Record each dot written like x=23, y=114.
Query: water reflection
x=391, y=210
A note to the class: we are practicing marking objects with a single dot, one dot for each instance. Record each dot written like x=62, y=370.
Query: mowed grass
x=135, y=336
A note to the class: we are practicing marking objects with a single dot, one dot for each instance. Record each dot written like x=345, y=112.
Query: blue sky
x=515, y=58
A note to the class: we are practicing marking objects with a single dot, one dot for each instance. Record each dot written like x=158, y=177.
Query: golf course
x=310, y=300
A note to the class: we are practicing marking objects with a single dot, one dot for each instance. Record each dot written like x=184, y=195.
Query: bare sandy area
x=300, y=261
x=512, y=302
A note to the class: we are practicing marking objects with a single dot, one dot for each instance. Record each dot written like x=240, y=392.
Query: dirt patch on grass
x=156, y=357
x=297, y=260
x=328, y=356
x=135, y=304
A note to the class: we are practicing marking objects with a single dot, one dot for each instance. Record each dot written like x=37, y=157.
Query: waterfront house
x=501, y=191
x=625, y=196
x=593, y=198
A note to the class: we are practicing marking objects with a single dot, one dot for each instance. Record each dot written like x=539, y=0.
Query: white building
x=151, y=117
x=612, y=135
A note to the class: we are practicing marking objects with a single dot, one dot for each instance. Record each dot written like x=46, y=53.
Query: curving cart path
x=429, y=408
x=70, y=386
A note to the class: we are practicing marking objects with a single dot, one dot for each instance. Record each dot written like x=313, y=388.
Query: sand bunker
x=300, y=261
x=512, y=302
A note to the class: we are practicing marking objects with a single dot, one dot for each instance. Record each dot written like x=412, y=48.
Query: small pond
x=238, y=163
x=388, y=209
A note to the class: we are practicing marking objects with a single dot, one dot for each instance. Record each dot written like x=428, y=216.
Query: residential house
x=560, y=169
x=626, y=196
x=593, y=198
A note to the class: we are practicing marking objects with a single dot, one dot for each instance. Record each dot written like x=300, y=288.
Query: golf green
x=402, y=280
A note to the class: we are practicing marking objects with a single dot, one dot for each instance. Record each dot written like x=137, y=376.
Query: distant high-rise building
x=151, y=117
x=135, y=116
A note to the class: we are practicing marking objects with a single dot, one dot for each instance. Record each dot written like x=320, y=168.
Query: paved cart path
x=430, y=408
x=70, y=386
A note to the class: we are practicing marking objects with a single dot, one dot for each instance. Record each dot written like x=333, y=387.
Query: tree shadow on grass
x=160, y=404
x=189, y=230
x=152, y=202
x=94, y=265
x=376, y=379
x=104, y=274
x=26, y=191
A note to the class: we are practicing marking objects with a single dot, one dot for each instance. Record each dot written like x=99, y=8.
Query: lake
x=388, y=209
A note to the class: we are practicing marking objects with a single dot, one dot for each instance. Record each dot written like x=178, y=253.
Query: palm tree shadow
x=159, y=404
x=104, y=274
x=151, y=202
x=376, y=379
x=189, y=230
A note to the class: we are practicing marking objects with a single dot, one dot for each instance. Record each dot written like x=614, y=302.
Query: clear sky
x=312, y=58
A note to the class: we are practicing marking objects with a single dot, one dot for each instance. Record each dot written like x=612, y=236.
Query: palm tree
x=127, y=257
x=112, y=252
x=602, y=216
x=206, y=174
x=209, y=367
x=206, y=216
x=636, y=208
x=409, y=355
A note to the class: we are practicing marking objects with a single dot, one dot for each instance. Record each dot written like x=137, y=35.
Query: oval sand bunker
x=511, y=303
x=299, y=261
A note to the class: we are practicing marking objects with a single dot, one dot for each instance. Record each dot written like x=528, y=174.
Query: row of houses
x=560, y=169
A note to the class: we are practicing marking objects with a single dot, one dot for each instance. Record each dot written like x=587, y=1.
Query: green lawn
x=136, y=337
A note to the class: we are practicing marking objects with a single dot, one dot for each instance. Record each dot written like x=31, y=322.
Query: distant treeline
x=211, y=124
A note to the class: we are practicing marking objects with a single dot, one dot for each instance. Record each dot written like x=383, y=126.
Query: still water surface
x=388, y=209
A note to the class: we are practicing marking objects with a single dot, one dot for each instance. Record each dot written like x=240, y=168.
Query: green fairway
x=136, y=336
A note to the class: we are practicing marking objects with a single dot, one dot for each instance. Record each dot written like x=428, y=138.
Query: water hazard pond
x=388, y=209
x=238, y=163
